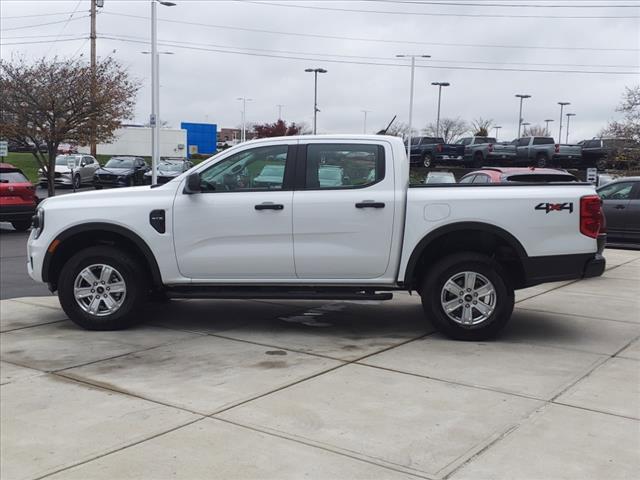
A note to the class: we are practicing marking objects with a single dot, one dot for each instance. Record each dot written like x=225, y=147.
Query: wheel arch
x=467, y=236
x=75, y=238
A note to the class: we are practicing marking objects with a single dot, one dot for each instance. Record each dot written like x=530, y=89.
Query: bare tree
x=535, y=131
x=400, y=129
x=451, y=129
x=49, y=102
x=629, y=126
x=480, y=127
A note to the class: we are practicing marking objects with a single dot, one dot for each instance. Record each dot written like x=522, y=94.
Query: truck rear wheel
x=541, y=160
x=101, y=288
x=467, y=296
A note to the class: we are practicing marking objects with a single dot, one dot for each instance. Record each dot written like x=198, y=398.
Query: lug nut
x=475, y=294
x=92, y=290
x=468, y=289
x=475, y=303
x=460, y=301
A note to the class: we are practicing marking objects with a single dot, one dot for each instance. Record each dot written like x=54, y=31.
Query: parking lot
x=277, y=389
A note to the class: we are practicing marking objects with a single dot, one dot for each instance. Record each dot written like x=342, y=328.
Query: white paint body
x=318, y=238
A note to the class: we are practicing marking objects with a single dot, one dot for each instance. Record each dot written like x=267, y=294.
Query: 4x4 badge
x=555, y=207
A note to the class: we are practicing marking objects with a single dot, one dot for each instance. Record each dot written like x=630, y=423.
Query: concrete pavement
x=256, y=389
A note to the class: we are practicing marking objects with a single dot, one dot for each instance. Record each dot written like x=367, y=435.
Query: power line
x=41, y=36
x=318, y=54
x=36, y=15
x=426, y=14
x=352, y=62
x=64, y=26
x=375, y=40
x=43, y=24
x=507, y=5
x=45, y=41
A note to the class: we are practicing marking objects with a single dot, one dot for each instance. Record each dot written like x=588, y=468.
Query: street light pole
x=364, y=128
x=155, y=91
x=413, y=68
x=280, y=111
x=569, y=115
x=562, y=105
x=521, y=97
x=548, y=120
x=315, y=71
x=243, y=136
x=440, y=85
x=497, y=127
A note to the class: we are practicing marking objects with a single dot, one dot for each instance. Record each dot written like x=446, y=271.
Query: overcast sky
x=202, y=85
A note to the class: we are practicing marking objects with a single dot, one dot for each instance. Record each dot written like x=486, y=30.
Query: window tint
x=543, y=141
x=481, y=178
x=12, y=176
x=255, y=169
x=523, y=142
x=467, y=179
x=618, y=191
x=343, y=165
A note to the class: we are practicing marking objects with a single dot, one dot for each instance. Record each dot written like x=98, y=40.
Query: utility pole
x=93, y=77
x=562, y=105
x=413, y=69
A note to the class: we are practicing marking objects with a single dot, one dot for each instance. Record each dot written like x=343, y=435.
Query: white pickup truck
x=214, y=232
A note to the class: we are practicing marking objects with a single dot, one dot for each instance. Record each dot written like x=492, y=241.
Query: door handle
x=269, y=206
x=370, y=204
x=619, y=207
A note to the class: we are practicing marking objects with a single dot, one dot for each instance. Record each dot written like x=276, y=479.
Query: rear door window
x=342, y=166
x=481, y=178
x=467, y=179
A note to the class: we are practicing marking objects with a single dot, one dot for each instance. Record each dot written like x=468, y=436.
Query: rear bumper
x=556, y=268
x=11, y=213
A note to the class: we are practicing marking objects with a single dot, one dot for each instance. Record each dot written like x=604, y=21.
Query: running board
x=276, y=293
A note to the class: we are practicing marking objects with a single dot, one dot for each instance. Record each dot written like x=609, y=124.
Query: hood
x=114, y=171
x=62, y=169
x=164, y=173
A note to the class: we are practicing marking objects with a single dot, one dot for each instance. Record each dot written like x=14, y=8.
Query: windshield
x=65, y=159
x=117, y=162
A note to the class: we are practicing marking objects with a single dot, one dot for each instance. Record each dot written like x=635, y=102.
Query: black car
x=121, y=172
x=169, y=169
x=621, y=205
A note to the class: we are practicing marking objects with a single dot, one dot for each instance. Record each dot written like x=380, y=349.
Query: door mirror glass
x=193, y=184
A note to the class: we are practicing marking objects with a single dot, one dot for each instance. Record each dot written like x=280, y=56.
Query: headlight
x=37, y=221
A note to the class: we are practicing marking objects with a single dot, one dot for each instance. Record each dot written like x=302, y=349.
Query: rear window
x=480, y=140
x=431, y=140
x=542, y=178
x=12, y=176
x=543, y=141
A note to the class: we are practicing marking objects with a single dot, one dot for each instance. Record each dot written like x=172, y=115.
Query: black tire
x=133, y=275
x=98, y=187
x=541, y=160
x=21, y=225
x=446, y=269
x=478, y=160
x=427, y=160
x=77, y=182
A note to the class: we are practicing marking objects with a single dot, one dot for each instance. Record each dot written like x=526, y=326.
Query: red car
x=18, y=198
x=512, y=174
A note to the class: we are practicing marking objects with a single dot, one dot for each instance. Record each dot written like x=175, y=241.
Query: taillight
x=490, y=147
x=439, y=147
x=557, y=148
x=591, y=216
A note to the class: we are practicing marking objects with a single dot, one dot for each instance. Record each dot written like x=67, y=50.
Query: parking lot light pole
x=280, y=105
x=521, y=97
x=154, y=121
x=413, y=68
x=243, y=135
x=364, y=127
x=440, y=85
x=548, y=120
x=497, y=127
x=562, y=105
x=315, y=71
x=569, y=115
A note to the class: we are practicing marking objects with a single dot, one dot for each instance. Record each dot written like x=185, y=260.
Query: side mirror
x=192, y=184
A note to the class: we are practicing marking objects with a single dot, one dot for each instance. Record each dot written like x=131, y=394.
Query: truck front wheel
x=102, y=288
x=467, y=296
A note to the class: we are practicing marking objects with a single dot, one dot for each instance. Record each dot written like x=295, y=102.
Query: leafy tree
x=277, y=129
x=629, y=126
x=480, y=127
x=451, y=129
x=49, y=102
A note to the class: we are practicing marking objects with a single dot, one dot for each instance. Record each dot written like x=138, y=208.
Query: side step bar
x=276, y=293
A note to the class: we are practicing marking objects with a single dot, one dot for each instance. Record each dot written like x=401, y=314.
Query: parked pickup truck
x=480, y=151
x=604, y=153
x=430, y=151
x=213, y=232
x=543, y=151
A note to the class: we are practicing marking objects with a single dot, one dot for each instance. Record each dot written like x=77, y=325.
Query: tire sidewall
x=126, y=266
x=447, y=268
